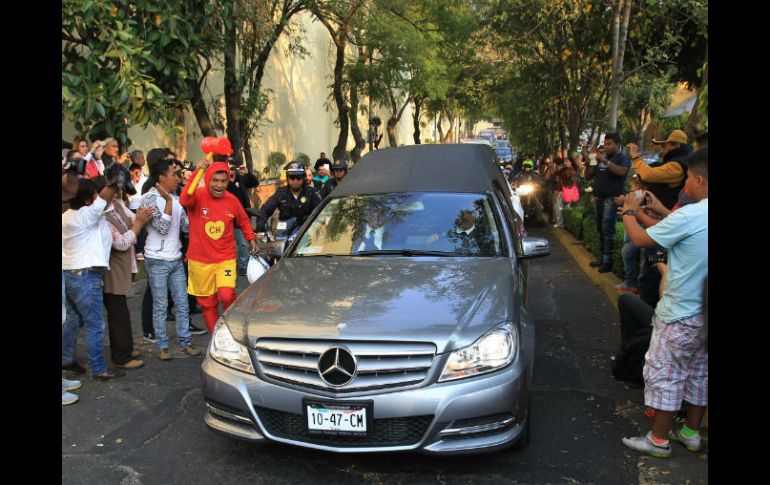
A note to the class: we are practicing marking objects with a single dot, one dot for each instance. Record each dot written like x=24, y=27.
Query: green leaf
x=100, y=109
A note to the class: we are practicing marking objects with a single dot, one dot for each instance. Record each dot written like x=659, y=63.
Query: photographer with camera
x=609, y=169
x=676, y=365
x=86, y=244
x=665, y=179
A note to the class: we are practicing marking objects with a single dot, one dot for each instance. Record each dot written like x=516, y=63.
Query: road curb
x=605, y=281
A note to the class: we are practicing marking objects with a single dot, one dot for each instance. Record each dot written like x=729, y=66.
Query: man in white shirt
x=86, y=242
x=163, y=257
x=138, y=178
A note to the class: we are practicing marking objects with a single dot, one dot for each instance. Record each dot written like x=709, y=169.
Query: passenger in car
x=372, y=235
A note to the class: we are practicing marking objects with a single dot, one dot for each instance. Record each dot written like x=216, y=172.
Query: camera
x=76, y=165
x=659, y=256
x=118, y=175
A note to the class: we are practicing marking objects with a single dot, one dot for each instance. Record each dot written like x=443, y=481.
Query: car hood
x=447, y=301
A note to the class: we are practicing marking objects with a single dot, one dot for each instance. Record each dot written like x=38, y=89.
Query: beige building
x=300, y=119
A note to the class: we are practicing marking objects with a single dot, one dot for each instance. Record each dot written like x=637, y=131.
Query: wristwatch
x=629, y=212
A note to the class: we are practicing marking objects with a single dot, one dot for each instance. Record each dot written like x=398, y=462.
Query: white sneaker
x=67, y=385
x=692, y=444
x=645, y=445
x=68, y=398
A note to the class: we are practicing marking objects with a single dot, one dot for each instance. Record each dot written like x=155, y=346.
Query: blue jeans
x=84, y=307
x=63, y=301
x=241, y=249
x=630, y=255
x=163, y=276
x=606, y=214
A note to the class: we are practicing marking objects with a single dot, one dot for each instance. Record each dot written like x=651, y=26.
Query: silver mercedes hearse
x=395, y=320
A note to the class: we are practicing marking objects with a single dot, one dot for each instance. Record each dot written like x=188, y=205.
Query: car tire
x=523, y=440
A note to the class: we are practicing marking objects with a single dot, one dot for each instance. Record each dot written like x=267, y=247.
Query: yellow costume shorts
x=204, y=278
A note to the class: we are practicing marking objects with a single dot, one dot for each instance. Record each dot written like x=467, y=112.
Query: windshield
x=410, y=224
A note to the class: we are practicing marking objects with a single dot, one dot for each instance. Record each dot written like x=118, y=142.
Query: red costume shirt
x=212, y=221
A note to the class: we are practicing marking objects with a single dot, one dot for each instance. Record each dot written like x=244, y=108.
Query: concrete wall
x=300, y=120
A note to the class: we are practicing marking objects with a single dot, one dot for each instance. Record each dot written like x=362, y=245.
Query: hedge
x=573, y=220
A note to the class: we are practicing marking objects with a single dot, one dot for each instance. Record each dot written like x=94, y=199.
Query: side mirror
x=534, y=247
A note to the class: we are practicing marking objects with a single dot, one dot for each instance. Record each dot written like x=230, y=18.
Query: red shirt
x=212, y=221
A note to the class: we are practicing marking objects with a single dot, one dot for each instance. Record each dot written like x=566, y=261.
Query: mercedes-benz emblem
x=337, y=366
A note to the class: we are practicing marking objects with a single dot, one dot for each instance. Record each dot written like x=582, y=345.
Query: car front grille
x=381, y=365
x=385, y=432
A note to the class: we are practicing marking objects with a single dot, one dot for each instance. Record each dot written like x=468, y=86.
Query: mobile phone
x=592, y=159
x=326, y=166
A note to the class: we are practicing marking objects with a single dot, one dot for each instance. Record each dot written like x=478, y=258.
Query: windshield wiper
x=323, y=255
x=405, y=252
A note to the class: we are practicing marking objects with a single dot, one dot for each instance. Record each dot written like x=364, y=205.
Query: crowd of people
x=193, y=239
x=662, y=300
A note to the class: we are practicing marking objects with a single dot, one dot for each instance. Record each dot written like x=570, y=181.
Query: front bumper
x=477, y=414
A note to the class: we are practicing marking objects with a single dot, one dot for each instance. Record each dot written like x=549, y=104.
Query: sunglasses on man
x=296, y=177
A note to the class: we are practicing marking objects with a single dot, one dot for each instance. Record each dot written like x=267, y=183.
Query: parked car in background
x=503, y=154
x=396, y=320
x=488, y=134
x=480, y=141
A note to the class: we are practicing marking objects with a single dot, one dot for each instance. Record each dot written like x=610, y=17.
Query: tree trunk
x=232, y=93
x=450, y=130
x=200, y=111
x=247, y=155
x=644, y=124
x=180, y=141
x=562, y=136
x=339, y=98
x=439, y=127
x=621, y=17
x=355, y=154
x=691, y=127
x=391, y=129
x=416, y=121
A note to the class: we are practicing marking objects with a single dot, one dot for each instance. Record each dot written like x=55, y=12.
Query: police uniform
x=300, y=207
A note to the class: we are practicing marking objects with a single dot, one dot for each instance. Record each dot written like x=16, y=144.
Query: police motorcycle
x=274, y=241
x=527, y=186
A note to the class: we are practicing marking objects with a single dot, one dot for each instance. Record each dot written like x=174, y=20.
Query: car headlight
x=225, y=350
x=493, y=351
x=525, y=189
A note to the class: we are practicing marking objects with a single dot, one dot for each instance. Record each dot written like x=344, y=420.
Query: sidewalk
x=606, y=281
x=683, y=466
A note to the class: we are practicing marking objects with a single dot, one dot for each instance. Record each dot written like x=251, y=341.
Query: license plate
x=341, y=419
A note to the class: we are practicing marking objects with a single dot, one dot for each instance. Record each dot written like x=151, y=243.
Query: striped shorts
x=676, y=365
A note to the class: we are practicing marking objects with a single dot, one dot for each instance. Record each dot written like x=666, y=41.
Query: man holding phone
x=323, y=165
x=610, y=169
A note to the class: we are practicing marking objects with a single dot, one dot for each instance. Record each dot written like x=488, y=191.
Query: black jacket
x=239, y=187
x=668, y=195
x=283, y=200
x=327, y=187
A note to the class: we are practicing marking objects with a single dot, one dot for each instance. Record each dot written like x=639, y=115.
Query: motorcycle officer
x=526, y=174
x=295, y=201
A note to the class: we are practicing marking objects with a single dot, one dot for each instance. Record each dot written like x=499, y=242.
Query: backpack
x=628, y=363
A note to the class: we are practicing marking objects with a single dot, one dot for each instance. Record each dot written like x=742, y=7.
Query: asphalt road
x=147, y=427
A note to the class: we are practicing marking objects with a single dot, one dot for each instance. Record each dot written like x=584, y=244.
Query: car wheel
x=523, y=440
